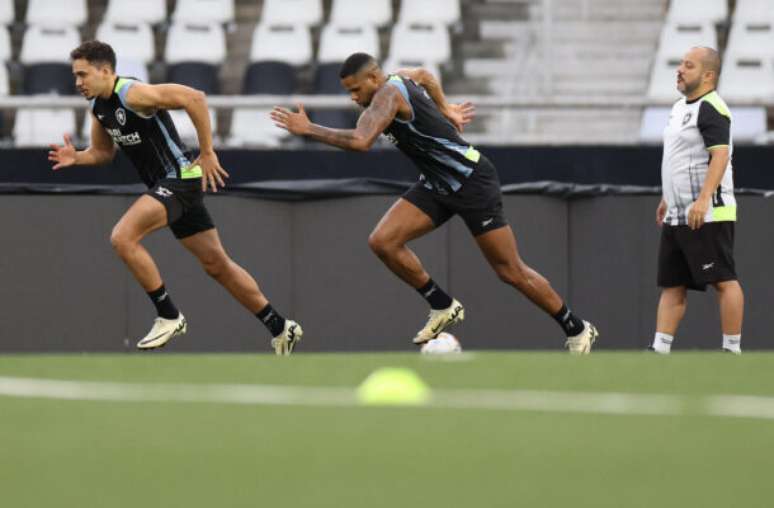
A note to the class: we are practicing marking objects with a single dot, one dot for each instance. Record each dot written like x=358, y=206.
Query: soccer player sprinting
x=410, y=108
x=698, y=208
x=134, y=116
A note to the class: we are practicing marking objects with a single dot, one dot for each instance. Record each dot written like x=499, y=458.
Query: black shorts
x=695, y=258
x=184, y=201
x=479, y=202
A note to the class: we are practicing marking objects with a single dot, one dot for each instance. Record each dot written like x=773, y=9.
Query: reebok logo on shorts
x=164, y=192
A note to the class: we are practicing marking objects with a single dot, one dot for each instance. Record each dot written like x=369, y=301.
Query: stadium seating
x=748, y=124
x=713, y=11
x=5, y=88
x=421, y=42
x=752, y=38
x=203, y=11
x=353, y=12
x=5, y=44
x=292, y=12
x=44, y=78
x=393, y=64
x=47, y=45
x=678, y=38
x=747, y=78
x=130, y=41
x=195, y=43
x=663, y=80
x=7, y=12
x=337, y=42
x=40, y=127
x=291, y=44
x=270, y=77
x=327, y=82
x=429, y=11
x=654, y=120
x=756, y=11
x=199, y=75
x=136, y=11
x=53, y=13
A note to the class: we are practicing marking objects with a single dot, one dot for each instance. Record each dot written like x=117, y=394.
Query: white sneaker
x=440, y=320
x=284, y=343
x=162, y=331
x=581, y=343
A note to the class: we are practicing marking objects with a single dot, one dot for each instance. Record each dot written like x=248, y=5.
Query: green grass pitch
x=118, y=453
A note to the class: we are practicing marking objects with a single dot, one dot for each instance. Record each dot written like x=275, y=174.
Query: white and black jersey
x=694, y=129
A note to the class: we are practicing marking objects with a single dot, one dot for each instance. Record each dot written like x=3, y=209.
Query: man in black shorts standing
x=697, y=211
x=455, y=178
x=134, y=116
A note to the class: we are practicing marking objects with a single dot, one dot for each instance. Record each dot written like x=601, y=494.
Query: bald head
x=710, y=61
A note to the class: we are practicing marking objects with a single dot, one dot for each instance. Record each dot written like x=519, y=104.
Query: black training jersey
x=150, y=142
x=431, y=141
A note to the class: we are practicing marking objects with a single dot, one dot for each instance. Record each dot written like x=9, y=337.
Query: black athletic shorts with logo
x=695, y=258
x=478, y=202
x=184, y=201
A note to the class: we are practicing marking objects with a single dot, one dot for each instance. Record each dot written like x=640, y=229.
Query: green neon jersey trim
x=724, y=213
x=191, y=172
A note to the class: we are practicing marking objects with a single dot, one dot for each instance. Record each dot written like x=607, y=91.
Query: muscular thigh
x=145, y=216
x=403, y=222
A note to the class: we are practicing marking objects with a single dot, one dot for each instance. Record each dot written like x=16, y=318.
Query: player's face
x=91, y=80
x=361, y=88
x=689, y=73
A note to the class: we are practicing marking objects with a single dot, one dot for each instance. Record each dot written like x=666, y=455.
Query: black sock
x=568, y=321
x=271, y=318
x=435, y=296
x=163, y=302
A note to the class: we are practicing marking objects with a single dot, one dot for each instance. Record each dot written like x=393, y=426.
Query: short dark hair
x=96, y=53
x=355, y=63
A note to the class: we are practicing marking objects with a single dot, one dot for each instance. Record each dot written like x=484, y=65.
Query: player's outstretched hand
x=212, y=173
x=295, y=123
x=62, y=156
x=460, y=115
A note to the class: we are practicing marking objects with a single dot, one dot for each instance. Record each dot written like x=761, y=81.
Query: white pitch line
x=743, y=406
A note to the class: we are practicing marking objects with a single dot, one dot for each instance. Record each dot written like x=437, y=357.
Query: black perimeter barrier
x=318, y=174
x=583, y=217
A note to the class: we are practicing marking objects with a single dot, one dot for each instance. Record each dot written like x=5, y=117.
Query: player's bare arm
x=147, y=99
x=101, y=151
x=717, y=167
x=382, y=111
x=458, y=114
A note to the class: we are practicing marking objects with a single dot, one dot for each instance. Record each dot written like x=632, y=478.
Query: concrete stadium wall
x=63, y=289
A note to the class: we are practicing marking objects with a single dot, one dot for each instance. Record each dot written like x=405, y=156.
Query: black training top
x=444, y=159
x=150, y=142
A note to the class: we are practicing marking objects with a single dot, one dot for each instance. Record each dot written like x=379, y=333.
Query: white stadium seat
x=204, y=11
x=338, y=42
x=678, y=38
x=291, y=44
x=430, y=11
x=56, y=12
x=48, y=45
x=195, y=43
x=136, y=11
x=422, y=42
x=752, y=38
x=41, y=127
x=254, y=127
x=185, y=127
x=351, y=12
x=754, y=11
x=663, y=80
x=654, y=120
x=714, y=11
x=5, y=44
x=129, y=41
x=7, y=12
x=5, y=87
x=292, y=12
x=746, y=78
x=131, y=68
x=748, y=123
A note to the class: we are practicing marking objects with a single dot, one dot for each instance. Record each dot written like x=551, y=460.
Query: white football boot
x=162, y=332
x=284, y=343
x=581, y=344
x=440, y=320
